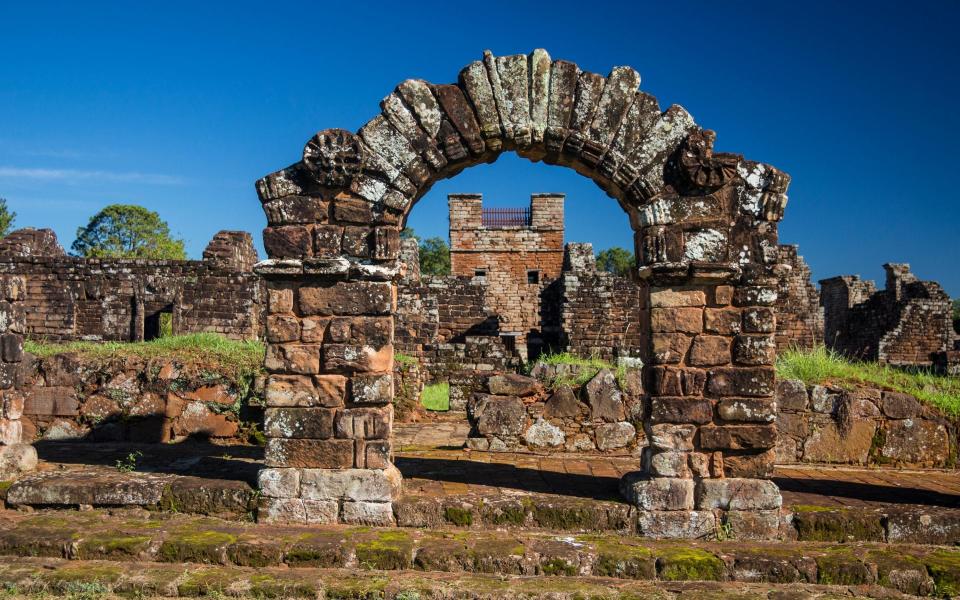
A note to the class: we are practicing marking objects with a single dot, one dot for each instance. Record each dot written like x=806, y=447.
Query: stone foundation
x=542, y=414
x=863, y=426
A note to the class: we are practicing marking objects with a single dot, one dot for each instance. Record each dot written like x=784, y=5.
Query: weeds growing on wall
x=821, y=365
x=239, y=360
x=589, y=367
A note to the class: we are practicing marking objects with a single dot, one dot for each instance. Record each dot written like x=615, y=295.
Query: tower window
x=480, y=273
x=533, y=276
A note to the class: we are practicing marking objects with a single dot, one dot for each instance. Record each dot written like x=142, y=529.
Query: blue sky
x=180, y=106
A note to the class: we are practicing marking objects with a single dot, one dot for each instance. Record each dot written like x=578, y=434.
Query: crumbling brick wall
x=908, y=323
x=70, y=298
x=516, y=254
x=600, y=314
x=799, y=314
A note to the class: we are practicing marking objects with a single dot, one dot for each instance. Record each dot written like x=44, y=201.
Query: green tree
x=128, y=231
x=7, y=217
x=407, y=233
x=616, y=260
x=434, y=257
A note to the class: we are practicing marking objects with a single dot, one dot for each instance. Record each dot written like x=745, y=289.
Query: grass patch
x=436, y=396
x=821, y=365
x=587, y=369
x=231, y=358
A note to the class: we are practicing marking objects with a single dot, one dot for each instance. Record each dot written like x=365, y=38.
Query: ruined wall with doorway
x=70, y=298
x=909, y=323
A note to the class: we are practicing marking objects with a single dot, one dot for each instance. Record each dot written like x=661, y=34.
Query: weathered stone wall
x=909, y=323
x=71, y=298
x=705, y=234
x=600, y=314
x=799, y=314
x=541, y=413
x=72, y=397
x=16, y=454
x=863, y=426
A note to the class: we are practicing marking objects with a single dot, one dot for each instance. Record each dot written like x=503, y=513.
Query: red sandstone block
x=347, y=298
x=676, y=320
x=680, y=410
x=741, y=381
x=327, y=240
x=309, y=454
x=289, y=241
x=312, y=423
x=738, y=437
x=280, y=300
x=303, y=359
x=725, y=321
x=282, y=328
x=710, y=350
x=357, y=241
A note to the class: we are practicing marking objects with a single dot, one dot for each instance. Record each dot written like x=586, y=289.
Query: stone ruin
x=16, y=457
x=706, y=237
x=108, y=299
x=907, y=324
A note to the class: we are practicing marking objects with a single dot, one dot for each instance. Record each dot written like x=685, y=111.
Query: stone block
x=612, y=436
x=759, y=320
x=502, y=416
x=321, y=512
x=563, y=403
x=543, y=434
x=671, y=464
x=754, y=524
x=280, y=300
x=279, y=483
x=303, y=391
x=676, y=320
x=372, y=389
x=512, y=384
x=723, y=321
x=17, y=459
x=741, y=381
x=916, y=441
x=290, y=241
x=364, y=423
x=670, y=348
x=791, y=395
x=676, y=297
x=347, y=298
x=753, y=410
x=672, y=437
x=11, y=347
x=658, y=493
x=281, y=510
x=302, y=359
x=11, y=432
x=373, y=454
x=327, y=240
x=754, y=350
x=373, y=514
x=367, y=485
x=57, y=401
x=827, y=444
x=351, y=359
x=751, y=466
x=665, y=409
x=283, y=328
x=738, y=494
x=312, y=329
x=603, y=396
x=309, y=454
x=738, y=437
x=900, y=406
x=680, y=524
x=314, y=423
x=710, y=350
x=823, y=400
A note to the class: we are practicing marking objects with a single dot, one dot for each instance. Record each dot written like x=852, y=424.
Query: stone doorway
x=706, y=239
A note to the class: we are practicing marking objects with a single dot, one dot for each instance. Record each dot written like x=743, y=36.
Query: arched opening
x=705, y=235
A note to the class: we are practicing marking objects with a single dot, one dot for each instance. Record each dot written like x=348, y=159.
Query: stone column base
x=707, y=508
x=326, y=496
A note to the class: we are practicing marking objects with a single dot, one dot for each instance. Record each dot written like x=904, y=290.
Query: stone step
x=142, y=536
x=105, y=580
x=236, y=500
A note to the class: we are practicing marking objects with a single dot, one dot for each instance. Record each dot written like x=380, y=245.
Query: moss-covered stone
x=205, y=546
x=271, y=585
x=112, y=546
x=255, y=553
x=460, y=516
x=325, y=550
x=841, y=566
x=357, y=588
x=385, y=550
x=840, y=525
x=575, y=517
x=944, y=567
x=558, y=566
x=208, y=581
x=690, y=564
x=621, y=560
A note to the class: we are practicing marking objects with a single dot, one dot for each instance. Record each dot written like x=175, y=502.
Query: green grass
x=820, y=365
x=229, y=357
x=436, y=396
x=591, y=366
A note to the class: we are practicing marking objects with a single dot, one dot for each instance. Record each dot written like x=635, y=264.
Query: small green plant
x=436, y=396
x=129, y=464
x=85, y=590
x=587, y=368
x=724, y=532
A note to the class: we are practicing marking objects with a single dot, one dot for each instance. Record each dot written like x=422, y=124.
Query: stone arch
x=705, y=236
